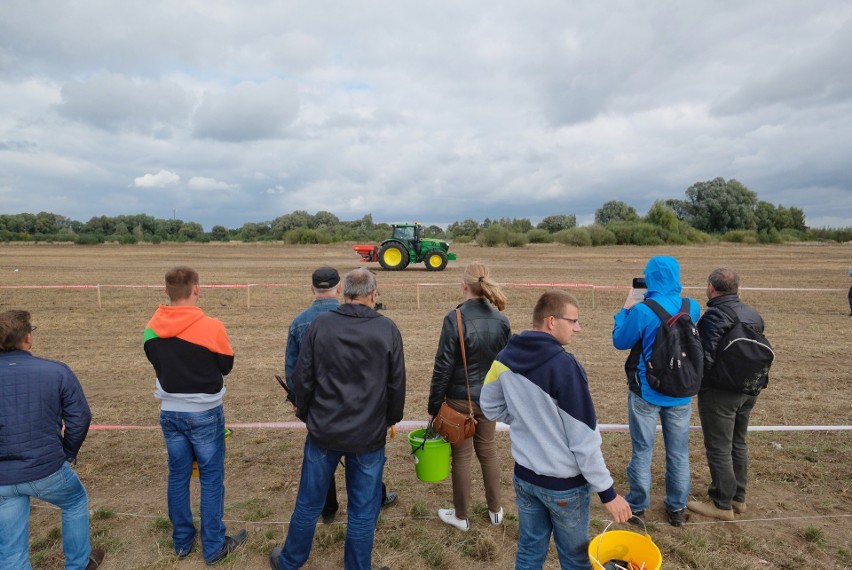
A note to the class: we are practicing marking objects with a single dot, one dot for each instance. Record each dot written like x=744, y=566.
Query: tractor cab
x=407, y=233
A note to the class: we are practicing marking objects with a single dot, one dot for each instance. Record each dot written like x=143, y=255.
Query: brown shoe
x=95, y=558
x=739, y=507
x=709, y=509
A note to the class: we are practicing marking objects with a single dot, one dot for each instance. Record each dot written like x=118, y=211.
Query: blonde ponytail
x=477, y=277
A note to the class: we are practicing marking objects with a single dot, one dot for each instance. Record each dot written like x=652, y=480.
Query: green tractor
x=406, y=246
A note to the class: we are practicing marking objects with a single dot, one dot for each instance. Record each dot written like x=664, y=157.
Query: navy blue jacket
x=36, y=397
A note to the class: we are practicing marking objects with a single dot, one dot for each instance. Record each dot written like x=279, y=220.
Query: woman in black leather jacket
x=485, y=332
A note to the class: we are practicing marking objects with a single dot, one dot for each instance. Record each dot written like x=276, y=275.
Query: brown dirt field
x=800, y=494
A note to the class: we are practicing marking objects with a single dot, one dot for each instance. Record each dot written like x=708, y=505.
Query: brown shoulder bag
x=452, y=425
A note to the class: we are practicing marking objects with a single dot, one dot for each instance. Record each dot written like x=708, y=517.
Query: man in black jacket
x=39, y=397
x=349, y=386
x=724, y=414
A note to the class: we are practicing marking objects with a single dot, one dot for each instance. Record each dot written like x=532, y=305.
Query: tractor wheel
x=436, y=260
x=393, y=257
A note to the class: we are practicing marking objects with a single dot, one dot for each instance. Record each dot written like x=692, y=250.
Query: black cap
x=325, y=278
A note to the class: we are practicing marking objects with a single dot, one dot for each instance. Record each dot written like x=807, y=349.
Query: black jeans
x=331, y=505
x=724, y=422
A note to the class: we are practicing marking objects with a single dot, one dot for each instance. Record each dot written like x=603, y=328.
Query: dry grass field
x=800, y=500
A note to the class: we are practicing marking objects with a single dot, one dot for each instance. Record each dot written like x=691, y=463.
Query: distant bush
x=492, y=236
x=305, y=236
x=789, y=234
x=539, y=236
x=573, y=236
x=840, y=235
x=740, y=236
x=600, y=235
x=88, y=239
x=516, y=239
x=462, y=239
x=692, y=235
x=770, y=236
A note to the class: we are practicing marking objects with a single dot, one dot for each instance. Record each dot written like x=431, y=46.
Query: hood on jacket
x=170, y=322
x=528, y=350
x=188, y=323
x=662, y=275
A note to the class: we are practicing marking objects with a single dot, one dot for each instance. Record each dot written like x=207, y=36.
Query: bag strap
x=464, y=359
x=662, y=313
x=728, y=311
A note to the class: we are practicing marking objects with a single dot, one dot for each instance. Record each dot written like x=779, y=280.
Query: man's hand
x=619, y=509
x=631, y=299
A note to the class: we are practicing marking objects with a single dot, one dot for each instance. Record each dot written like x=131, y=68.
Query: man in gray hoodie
x=542, y=392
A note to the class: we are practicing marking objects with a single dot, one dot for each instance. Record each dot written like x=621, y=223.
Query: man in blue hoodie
x=636, y=324
x=542, y=392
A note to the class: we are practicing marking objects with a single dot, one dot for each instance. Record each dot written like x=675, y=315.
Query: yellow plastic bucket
x=195, y=463
x=431, y=456
x=624, y=545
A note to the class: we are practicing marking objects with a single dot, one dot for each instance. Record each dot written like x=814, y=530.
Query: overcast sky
x=228, y=112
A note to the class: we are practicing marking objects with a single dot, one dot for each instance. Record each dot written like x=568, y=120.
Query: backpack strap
x=661, y=312
x=732, y=314
x=658, y=309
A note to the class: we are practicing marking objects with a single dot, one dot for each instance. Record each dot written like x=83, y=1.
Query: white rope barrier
x=410, y=425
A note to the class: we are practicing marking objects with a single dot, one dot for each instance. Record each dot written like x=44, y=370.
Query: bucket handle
x=598, y=553
x=422, y=443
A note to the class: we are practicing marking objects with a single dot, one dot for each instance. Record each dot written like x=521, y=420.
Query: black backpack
x=676, y=366
x=743, y=358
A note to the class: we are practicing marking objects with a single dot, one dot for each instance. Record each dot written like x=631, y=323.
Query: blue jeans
x=364, y=493
x=542, y=512
x=63, y=489
x=196, y=436
x=642, y=417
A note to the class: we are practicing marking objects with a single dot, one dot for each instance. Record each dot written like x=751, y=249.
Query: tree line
x=712, y=210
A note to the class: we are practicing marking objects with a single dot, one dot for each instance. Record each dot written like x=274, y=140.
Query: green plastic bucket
x=431, y=456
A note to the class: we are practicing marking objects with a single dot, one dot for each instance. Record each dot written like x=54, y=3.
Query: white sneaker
x=449, y=517
x=496, y=518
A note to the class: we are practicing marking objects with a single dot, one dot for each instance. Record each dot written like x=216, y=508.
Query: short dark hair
x=552, y=304
x=724, y=280
x=14, y=326
x=180, y=281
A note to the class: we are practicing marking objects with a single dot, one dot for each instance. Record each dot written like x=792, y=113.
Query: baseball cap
x=325, y=278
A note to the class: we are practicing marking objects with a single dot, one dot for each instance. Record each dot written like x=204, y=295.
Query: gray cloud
x=468, y=110
x=247, y=112
x=114, y=102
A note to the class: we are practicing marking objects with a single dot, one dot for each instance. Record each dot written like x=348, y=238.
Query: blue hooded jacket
x=662, y=275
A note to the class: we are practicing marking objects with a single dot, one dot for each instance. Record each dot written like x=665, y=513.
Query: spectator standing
x=486, y=330
x=849, y=295
x=38, y=398
x=326, y=287
x=724, y=414
x=542, y=392
x=636, y=327
x=191, y=354
x=349, y=386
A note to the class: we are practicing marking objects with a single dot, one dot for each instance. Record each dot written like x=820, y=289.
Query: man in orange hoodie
x=191, y=354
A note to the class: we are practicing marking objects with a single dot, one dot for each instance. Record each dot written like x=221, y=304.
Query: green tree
x=662, y=215
x=469, y=228
x=615, y=211
x=718, y=206
x=558, y=222
x=433, y=231
x=219, y=233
